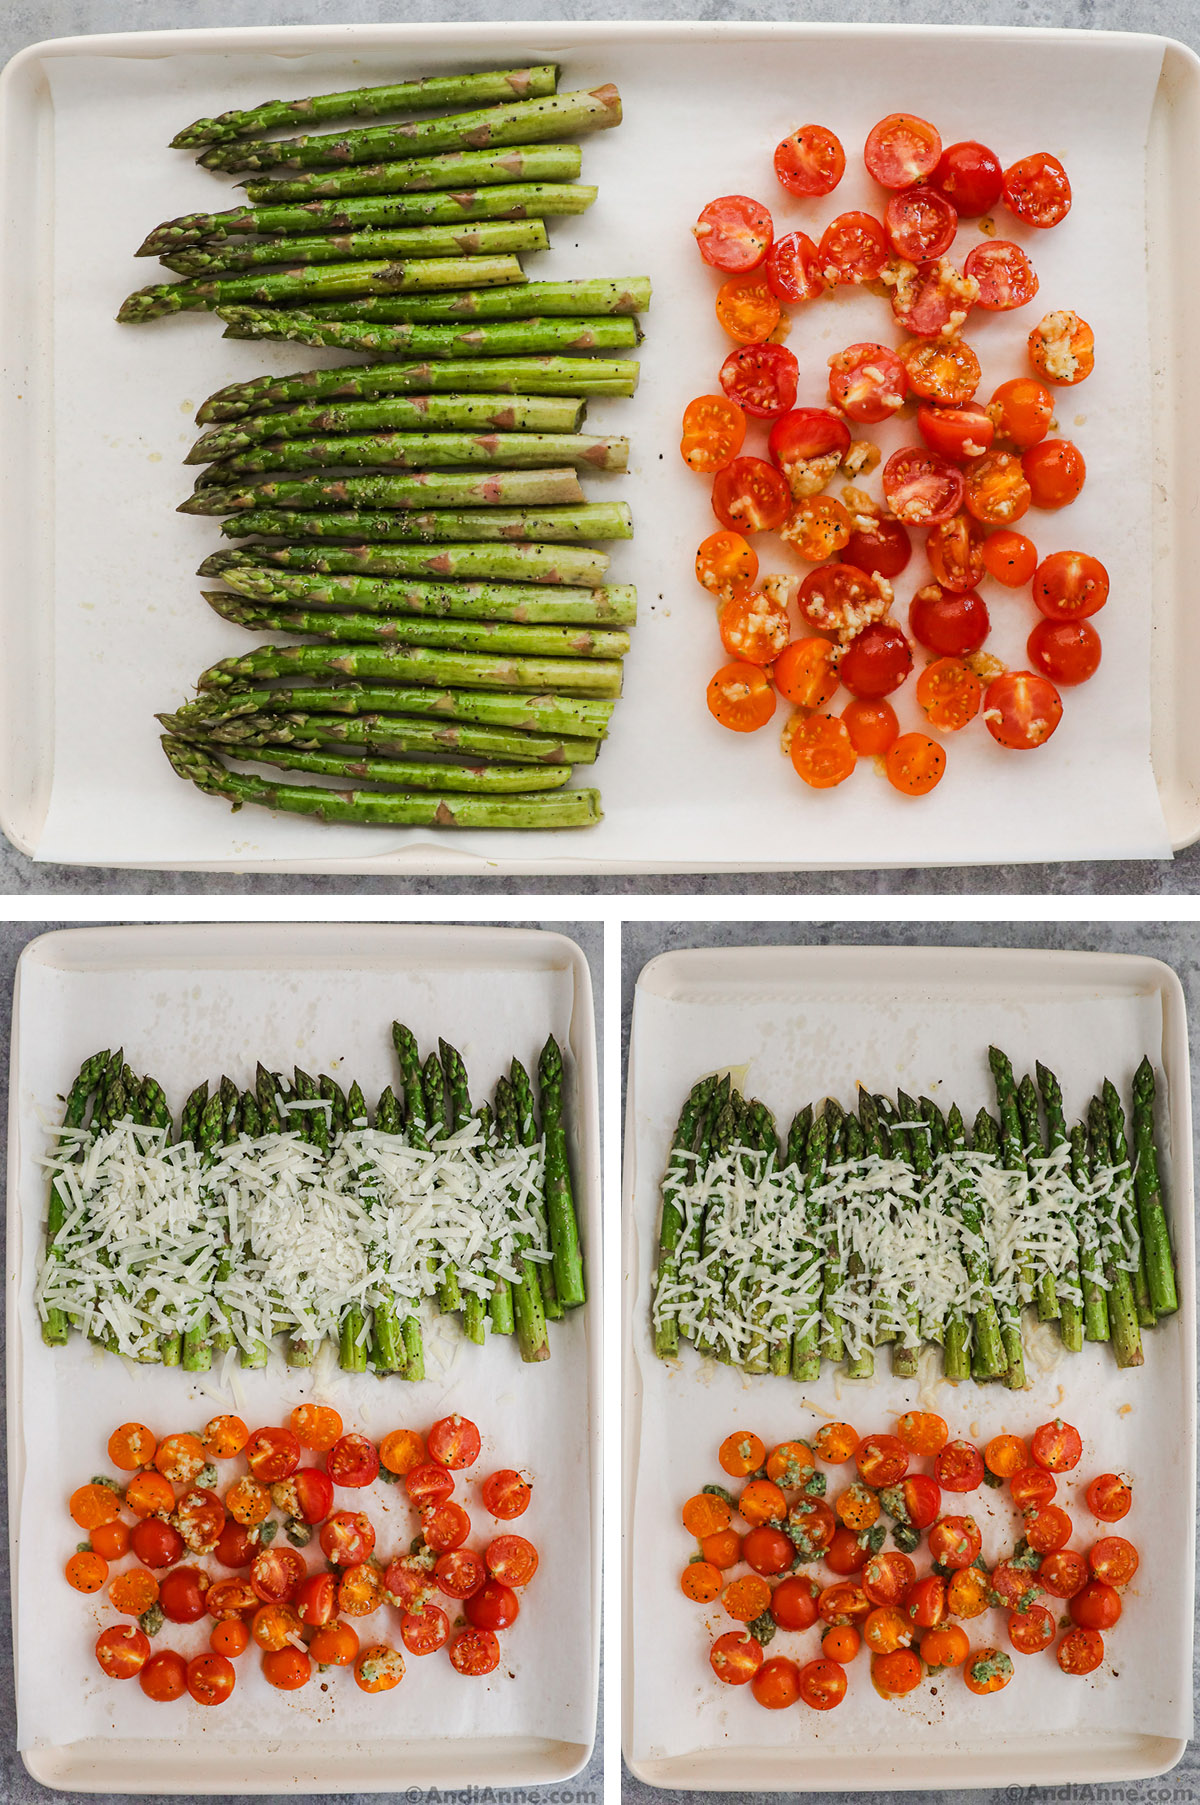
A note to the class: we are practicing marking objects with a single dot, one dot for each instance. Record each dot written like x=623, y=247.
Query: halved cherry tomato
x=761, y=379
x=882, y=547
x=734, y=233
x=944, y=1646
x=1012, y=1584
x=1065, y=651
x=1021, y=710
x=122, y=1651
x=231, y=1637
x=920, y=223
x=445, y=1527
x=228, y=1598
x=272, y=1454
x=1022, y=410
x=744, y=1599
x=955, y=1542
x=868, y=382
x=361, y=1589
x=1010, y=557
x=200, y=1518
x=725, y=564
x=835, y=1443
x=307, y=1495
x=818, y=528
x=150, y=1495
x=460, y=1573
x=92, y=1505
x=948, y=374
x=315, y=1426
x=762, y=1501
x=336, y=1644
x=875, y=662
x=957, y=433
x=805, y=672
x=872, y=726
x=810, y=161
x=888, y=1578
x=822, y=1685
x=1080, y=1651
x=1055, y=472
x=741, y=698
x=705, y=1514
x=1063, y=1573
x=180, y=1458
x=950, y=694
x=968, y=1594
x=428, y=1485
x=970, y=177
x=901, y=150
x=315, y=1602
x=1057, y=1446
x=713, y=430
x=1031, y=1630
x=511, y=1559
x=919, y=1502
x=1113, y=1560
x=506, y=1494
x=1032, y=1487
x=1004, y=273
x=1047, y=1528
x=735, y=1657
x=164, y=1676
x=276, y=1573
x=926, y=1603
x=1062, y=348
x=931, y=300
x=476, y=1652
x=794, y=1602
x=794, y=268
x=234, y=1547
x=224, y=1437
x=379, y=1669
x=701, y=1582
x=400, y=1451
x=843, y=1603
x=748, y=308
x=287, y=1668
x=845, y=1554
x=155, y=1543
x=1070, y=586
x=181, y=1594
x=750, y=496
x=892, y=1675
x=922, y=488
x=210, y=1679
x=424, y=1632
x=454, y=1442
x=997, y=489
x=753, y=627
x=857, y=1507
x=247, y=1501
x=1109, y=1497
x=808, y=444
x=722, y=1549
x=1036, y=189
x=495, y=1606
x=776, y=1685
x=131, y=1446
x=408, y=1584
x=988, y=1670
x=86, y=1571
x=951, y=623
x=840, y=600
x=1005, y=1455
x=812, y=1526
x=853, y=249
x=915, y=764
x=110, y=1540
x=821, y=752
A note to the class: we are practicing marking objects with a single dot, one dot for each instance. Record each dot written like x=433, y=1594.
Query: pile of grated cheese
x=272, y=1236
x=879, y=1246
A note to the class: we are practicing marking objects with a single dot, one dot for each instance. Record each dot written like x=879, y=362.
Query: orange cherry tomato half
x=748, y=308
x=872, y=726
x=821, y=752
x=948, y=374
x=997, y=489
x=822, y=1685
x=1080, y=1651
x=950, y=694
x=741, y=697
x=988, y=1670
x=819, y=527
x=915, y=764
x=1022, y=410
x=713, y=430
x=776, y=1685
x=753, y=627
x=897, y=1672
x=806, y=672
x=131, y=1446
x=735, y=1657
x=725, y=564
x=1062, y=348
x=1010, y=557
x=1113, y=1560
x=1110, y=1496
x=1021, y=710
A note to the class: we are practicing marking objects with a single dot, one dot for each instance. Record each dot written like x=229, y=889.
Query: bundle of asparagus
x=282, y=1211
x=883, y=1226
x=403, y=240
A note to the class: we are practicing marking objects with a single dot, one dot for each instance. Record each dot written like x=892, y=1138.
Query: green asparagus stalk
x=315, y=281
x=906, y=1348
x=848, y=1146
x=496, y=338
x=528, y=1135
x=779, y=1356
x=920, y=1148
x=1124, y=1328
x=412, y=664
x=193, y=1351
x=411, y=774
x=421, y=451
x=354, y=1342
x=724, y=1133
x=758, y=1134
x=440, y=530
x=681, y=1172
x=1091, y=1264
x=1012, y=1147
x=560, y=1202
x=551, y=567
x=148, y=1105
x=978, y=1343
x=529, y=1316
x=1130, y=1216
x=56, y=1326
x=474, y=1304
x=483, y=237
x=257, y=1118
x=1152, y=1217
x=384, y=736
x=583, y=298
x=462, y=170
x=584, y=717
x=494, y=375
x=877, y=1144
x=1046, y=1290
x=363, y=211
x=1070, y=1291
x=397, y=413
x=437, y=1126
x=987, y=1138
x=520, y=122
x=499, y=1305
x=367, y=103
x=312, y=1125
x=414, y=489
x=396, y=1346
x=806, y=1340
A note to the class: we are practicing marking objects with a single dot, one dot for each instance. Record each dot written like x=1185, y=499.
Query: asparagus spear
x=779, y=1353
x=529, y=1317
x=499, y=1304
x=487, y=237
x=1152, y=1217
x=806, y=1340
x=584, y=717
x=414, y=489
x=529, y=1134
x=560, y=1201
x=411, y=664
x=421, y=451
x=976, y=1345
x=386, y=737
x=397, y=413
x=1091, y=1264
x=1124, y=1328
x=474, y=1305
x=877, y=1145
x=363, y=209
x=920, y=1146
x=312, y=1125
x=353, y=1344
x=536, y=567
x=1046, y=1290
x=862, y=1364
x=521, y=122
x=212, y=1130
x=413, y=1091
x=582, y=298
x=1130, y=1222
x=441, y=530
x=397, y=1346
x=724, y=1133
x=56, y=1325
x=906, y=1348
x=148, y=1105
x=1012, y=1148
x=1070, y=1294
x=987, y=1140
x=436, y=1127
x=758, y=1134
x=314, y=281
x=459, y=169
x=366, y=103
x=681, y=1172
x=541, y=375
x=495, y=338
x=411, y=774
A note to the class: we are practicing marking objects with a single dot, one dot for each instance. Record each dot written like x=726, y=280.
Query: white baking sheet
x=799, y=1024
x=188, y=1002
x=132, y=632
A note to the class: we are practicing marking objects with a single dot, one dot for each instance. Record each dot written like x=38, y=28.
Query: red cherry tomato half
x=1031, y=1487
x=957, y=553
x=920, y=223
x=1080, y=1651
x=353, y=1461
x=868, y=382
x=1055, y=472
x=853, y=249
x=959, y=1467
x=493, y=1607
x=901, y=150
x=1010, y=557
x=122, y=1651
x=1113, y=1560
x=273, y=1454
x=164, y=1676
x=883, y=549
x=761, y=379
x=155, y=1543
x=951, y=623
x=1048, y=1529
x=181, y=1594
x=475, y=1652
x=794, y=1600
x=1004, y=273
x=808, y=434
x=428, y=1485
x=460, y=1572
x=1037, y=190
x=750, y=496
x=1109, y=1497
x=1066, y=651
x=446, y=1527
x=955, y=1542
x=956, y=433
x=511, y=1559
x=1021, y=710
x=1031, y=1630
x=424, y=1632
x=922, y=1499
x=1062, y=1573
x=794, y=268
x=1070, y=586
x=276, y=1573
x=932, y=300
x=1022, y=409
x=837, y=599
x=234, y=1547
x=1057, y=1446
x=734, y=233
x=454, y=1442
x=735, y=1657
x=315, y=1599
x=881, y=1459
x=810, y=161
x=768, y=1550
x=970, y=177
x=348, y=1538
x=922, y=488
x=307, y=1495
x=506, y=1494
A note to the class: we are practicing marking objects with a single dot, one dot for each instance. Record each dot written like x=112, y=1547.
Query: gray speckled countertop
x=16, y=1787
x=26, y=21
x=1178, y=945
